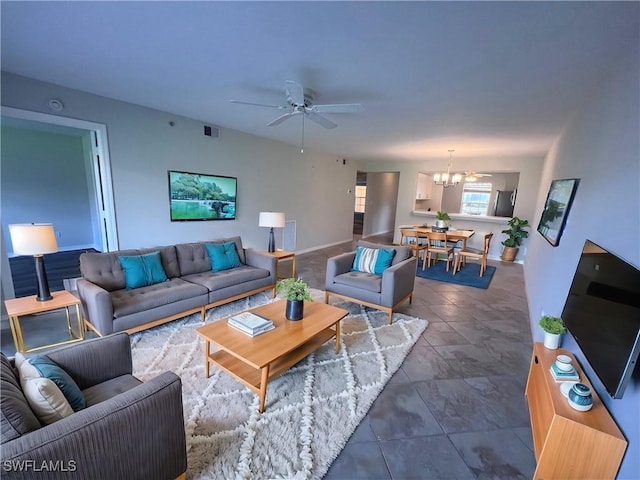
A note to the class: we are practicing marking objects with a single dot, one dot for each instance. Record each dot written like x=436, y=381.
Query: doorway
x=361, y=200
x=377, y=202
x=97, y=210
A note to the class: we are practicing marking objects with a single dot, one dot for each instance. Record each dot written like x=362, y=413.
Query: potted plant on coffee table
x=553, y=330
x=296, y=291
x=515, y=235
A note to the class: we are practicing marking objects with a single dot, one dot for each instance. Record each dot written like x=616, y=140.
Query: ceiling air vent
x=210, y=131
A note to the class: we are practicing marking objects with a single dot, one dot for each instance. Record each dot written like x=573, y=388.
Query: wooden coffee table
x=256, y=360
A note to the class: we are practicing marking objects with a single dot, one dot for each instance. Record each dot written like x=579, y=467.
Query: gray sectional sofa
x=191, y=286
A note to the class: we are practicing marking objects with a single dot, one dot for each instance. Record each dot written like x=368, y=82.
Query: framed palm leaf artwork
x=556, y=209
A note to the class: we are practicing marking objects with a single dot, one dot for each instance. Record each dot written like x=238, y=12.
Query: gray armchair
x=129, y=430
x=383, y=292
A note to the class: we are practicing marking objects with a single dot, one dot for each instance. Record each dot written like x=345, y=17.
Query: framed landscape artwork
x=556, y=209
x=196, y=196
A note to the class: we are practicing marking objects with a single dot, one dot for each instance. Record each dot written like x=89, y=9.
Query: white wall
x=382, y=195
x=311, y=188
x=530, y=169
x=601, y=148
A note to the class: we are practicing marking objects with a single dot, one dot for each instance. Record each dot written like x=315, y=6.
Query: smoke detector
x=56, y=105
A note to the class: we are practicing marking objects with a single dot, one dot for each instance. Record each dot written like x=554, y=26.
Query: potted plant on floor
x=553, y=330
x=296, y=291
x=441, y=219
x=516, y=233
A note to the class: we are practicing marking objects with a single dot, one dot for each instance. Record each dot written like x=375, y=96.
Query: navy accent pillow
x=223, y=256
x=373, y=260
x=69, y=388
x=142, y=270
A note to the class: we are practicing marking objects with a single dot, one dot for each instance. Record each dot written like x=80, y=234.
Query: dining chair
x=404, y=238
x=414, y=240
x=454, y=243
x=437, y=243
x=469, y=252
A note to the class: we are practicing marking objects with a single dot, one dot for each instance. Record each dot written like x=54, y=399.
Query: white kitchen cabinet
x=423, y=189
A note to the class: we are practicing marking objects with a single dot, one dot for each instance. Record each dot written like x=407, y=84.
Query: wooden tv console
x=569, y=443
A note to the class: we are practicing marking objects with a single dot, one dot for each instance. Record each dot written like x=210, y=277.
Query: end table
x=17, y=307
x=283, y=255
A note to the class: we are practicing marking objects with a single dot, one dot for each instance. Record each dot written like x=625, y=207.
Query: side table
x=18, y=307
x=283, y=255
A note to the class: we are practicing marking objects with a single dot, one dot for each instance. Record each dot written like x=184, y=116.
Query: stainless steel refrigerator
x=505, y=201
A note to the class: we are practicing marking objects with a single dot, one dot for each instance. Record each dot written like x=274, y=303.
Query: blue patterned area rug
x=469, y=275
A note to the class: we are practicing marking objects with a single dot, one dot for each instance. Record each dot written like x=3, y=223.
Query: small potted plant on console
x=553, y=329
x=296, y=292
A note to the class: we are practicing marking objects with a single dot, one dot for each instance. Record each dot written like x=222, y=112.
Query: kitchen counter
x=464, y=217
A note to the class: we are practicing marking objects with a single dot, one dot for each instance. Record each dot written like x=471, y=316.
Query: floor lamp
x=35, y=239
x=271, y=220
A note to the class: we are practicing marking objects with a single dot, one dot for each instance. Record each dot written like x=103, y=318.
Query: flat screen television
x=602, y=312
x=197, y=196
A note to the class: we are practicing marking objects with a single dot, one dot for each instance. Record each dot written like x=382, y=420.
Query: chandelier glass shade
x=447, y=179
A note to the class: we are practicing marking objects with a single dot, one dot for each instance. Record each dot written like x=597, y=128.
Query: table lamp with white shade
x=271, y=220
x=35, y=239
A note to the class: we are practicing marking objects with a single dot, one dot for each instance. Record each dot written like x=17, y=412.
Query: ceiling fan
x=473, y=176
x=300, y=102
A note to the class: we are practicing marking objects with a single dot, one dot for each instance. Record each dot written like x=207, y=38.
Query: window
x=361, y=196
x=475, y=198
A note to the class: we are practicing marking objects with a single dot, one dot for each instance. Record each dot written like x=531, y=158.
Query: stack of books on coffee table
x=250, y=323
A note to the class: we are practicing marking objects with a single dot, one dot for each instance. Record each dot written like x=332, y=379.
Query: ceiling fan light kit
x=473, y=176
x=300, y=102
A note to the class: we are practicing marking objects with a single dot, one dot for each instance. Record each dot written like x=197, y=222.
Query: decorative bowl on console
x=580, y=397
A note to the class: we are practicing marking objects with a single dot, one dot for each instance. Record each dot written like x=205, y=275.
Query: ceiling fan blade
x=279, y=107
x=320, y=120
x=338, y=108
x=281, y=119
x=295, y=92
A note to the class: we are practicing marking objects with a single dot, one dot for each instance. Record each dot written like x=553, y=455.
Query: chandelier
x=446, y=179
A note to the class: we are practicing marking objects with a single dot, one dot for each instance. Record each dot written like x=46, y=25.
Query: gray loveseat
x=128, y=430
x=384, y=291
x=191, y=286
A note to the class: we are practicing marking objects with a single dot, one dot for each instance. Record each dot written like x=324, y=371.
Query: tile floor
x=456, y=408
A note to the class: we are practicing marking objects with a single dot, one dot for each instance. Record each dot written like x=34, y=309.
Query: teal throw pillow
x=69, y=388
x=223, y=256
x=373, y=260
x=142, y=270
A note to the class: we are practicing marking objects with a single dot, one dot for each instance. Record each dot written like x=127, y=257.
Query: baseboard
x=375, y=234
x=326, y=245
x=499, y=259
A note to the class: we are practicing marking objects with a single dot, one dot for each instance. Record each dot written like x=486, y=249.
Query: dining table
x=453, y=234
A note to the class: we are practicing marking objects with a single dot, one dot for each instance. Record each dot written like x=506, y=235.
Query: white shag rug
x=311, y=410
